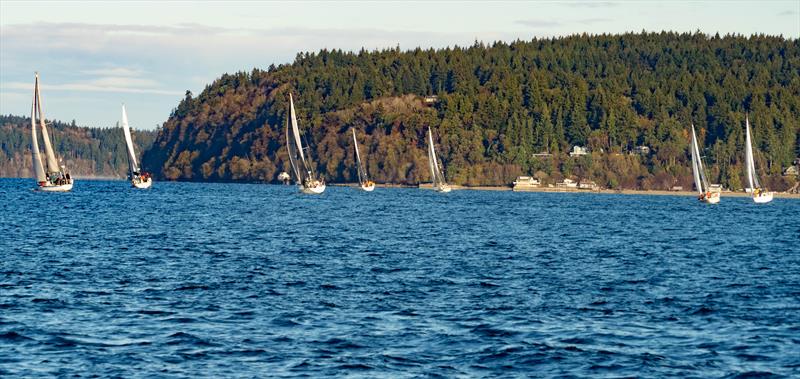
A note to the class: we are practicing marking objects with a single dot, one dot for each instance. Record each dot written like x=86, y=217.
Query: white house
x=578, y=151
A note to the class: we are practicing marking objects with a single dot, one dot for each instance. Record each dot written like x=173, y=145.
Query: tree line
x=501, y=109
x=87, y=151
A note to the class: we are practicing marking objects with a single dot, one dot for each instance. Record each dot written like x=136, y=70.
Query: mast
x=52, y=163
x=695, y=163
x=132, y=166
x=38, y=169
x=362, y=175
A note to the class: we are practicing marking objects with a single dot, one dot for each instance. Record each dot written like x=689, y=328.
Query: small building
x=642, y=150
x=676, y=188
x=715, y=187
x=567, y=183
x=543, y=154
x=526, y=182
x=790, y=171
x=578, y=151
x=588, y=185
x=430, y=99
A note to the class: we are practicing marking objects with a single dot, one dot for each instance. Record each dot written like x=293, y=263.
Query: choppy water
x=226, y=280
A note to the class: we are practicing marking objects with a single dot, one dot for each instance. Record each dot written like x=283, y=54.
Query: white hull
x=368, y=188
x=713, y=199
x=444, y=189
x=62, y=188
x=142, y=184
x=313, y=190
x=763, y=198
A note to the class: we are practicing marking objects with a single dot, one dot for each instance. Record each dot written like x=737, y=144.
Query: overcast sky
x=93, y=56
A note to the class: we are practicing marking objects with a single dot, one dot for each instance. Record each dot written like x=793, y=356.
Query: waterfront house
x=525, y=182
x=588, y=185
x=578, y=151
x=567, y=183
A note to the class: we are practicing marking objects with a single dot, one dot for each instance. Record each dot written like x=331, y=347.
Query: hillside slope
x=499, y=105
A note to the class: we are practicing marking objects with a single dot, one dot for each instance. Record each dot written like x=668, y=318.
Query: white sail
x=52, y=162
x=38, y=168
x=752, y=177
x=696, y=164
x=296, y=132
x=133, y=167
x=431, y=158
x=362, y=174
x=290, y=152
x=436, y=173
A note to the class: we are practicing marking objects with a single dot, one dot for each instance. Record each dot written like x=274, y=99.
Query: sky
x=92, y=56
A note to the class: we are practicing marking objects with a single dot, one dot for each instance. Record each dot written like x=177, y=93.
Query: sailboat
x=138, y=178
x=760, y=195
x=363, y=182
x=307, y=181
x=700, y=180
x=437, y=177
x=56, y=178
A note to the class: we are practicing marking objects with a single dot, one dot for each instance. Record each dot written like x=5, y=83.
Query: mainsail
x=133, y=167
x=362, y=174
x=700, y=180
x=290, y=152
x=436, y=174
x=38, y=168
x=752, y=178
x=296, y=132
x=305, y=171
x=52, y=163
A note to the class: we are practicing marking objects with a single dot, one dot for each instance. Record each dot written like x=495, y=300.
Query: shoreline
x=428, y=186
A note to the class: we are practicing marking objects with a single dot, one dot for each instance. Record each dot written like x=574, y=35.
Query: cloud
x=114, y=71
x=100, y=85
x=594, y=20
x=538, y=23
x=589, y=4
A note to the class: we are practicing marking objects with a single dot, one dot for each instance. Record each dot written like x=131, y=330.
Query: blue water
x=236, y=280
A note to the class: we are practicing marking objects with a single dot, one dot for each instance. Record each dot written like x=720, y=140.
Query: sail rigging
x=133, y=167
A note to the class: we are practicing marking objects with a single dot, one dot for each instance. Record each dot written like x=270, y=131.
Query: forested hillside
x=87, y=151
x=500, y=104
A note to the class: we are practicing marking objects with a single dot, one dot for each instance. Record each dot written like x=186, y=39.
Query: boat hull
x=368, y=188
x=763, y=198
x=444, y=189
x=313, y=190
x=712, y=199
x=142, y=184
x=60, y=188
